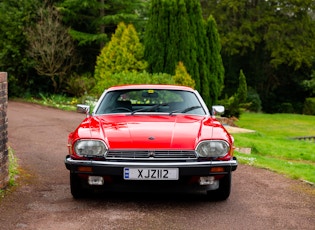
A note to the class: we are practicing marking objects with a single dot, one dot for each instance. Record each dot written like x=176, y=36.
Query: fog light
x=96, y=180
x=206, y=180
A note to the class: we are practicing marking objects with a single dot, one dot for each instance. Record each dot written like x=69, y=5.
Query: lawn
x=273, y=145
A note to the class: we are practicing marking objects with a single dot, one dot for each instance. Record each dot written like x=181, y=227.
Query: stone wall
x=4, y=161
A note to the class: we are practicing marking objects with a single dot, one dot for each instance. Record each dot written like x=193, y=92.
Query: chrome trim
x=151, y=155
x=151, y=164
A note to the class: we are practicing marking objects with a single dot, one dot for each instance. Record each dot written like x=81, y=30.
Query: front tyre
x=224, y=190
x=76, y=186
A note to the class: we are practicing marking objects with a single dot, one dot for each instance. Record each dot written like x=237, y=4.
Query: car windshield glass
x=135, y=101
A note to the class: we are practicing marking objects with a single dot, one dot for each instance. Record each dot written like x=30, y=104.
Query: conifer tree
x=176, y=33
x=155, y=36
x=122, y=54
x=242, y=88
x=214, y=60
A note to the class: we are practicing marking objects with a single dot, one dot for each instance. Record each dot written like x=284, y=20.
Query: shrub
x=253, y=100
x=80, y=85
x=125, y=78
x=286, y=107
x=182, y=77
x=309, y=106
x=232, y=107
x=124, y=53
x=242, y=88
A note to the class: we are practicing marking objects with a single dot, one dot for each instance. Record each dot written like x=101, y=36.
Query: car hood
x=151, y=132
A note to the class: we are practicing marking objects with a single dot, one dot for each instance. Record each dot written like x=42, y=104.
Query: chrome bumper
x=114, y=168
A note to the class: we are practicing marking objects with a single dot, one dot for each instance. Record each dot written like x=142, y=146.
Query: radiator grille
x=151, y=155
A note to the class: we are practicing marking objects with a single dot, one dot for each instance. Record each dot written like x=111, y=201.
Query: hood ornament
x=151, y=138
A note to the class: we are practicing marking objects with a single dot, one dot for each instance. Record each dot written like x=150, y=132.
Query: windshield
x=150, y=100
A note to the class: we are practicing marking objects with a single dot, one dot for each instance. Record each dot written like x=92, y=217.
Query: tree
x=176, y=33
x=272, y=41
x=51, y=47
x=242, y=88
x=124, y=53
x=93, y=22
x=15, y=16
x=214, y=60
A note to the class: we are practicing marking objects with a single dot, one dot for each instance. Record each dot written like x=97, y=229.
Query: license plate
x=151, y=173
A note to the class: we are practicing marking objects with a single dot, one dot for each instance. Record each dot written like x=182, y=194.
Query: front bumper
x=110, y=168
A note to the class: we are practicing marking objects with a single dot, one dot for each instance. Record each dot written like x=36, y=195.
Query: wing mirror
x=83, y=109
x=217, y=109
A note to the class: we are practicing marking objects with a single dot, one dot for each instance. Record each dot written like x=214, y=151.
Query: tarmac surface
x=260, y=199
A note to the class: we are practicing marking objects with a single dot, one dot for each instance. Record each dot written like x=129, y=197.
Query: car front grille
x=150, y=155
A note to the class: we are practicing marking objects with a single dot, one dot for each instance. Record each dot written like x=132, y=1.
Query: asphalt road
x=260, y=199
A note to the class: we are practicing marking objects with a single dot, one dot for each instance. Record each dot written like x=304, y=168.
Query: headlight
x=212, y=148
x=94, y=148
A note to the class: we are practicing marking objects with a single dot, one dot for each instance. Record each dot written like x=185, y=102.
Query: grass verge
x=273, y=147
x=13, y=172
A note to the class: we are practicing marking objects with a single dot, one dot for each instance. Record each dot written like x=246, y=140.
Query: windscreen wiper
x=185, y=110
x=149, y=109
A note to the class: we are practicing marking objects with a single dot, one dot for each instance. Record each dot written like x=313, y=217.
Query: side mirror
x=217, y=109
x=83, y=109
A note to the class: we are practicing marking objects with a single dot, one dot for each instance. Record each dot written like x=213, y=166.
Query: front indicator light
x=217, y=169
x=84, y=169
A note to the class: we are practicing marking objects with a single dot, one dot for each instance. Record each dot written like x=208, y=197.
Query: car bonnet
x=149, y=131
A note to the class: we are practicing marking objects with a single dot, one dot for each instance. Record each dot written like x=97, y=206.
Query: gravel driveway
x=260, y=199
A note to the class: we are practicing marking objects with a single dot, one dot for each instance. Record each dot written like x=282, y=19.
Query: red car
x=151, y=136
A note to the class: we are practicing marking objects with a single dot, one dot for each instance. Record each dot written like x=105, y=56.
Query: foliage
x=124, y=53
x=125, y=78
x=54, y=100
x=253, y=100
x=242, y=88
x=176, y=33
x=167, y=43
x=93, y=22
x=272, y=144
x=78, y=86
x=309, y=106
x=50, y=47
x=13, y=171
x=309, y=84
x=214, y=62
x=234, y=103
x=231, y=105
x=182, y=77
x=15, y=16
x=272, y=41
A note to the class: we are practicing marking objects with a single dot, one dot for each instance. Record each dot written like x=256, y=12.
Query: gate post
x=4, y=159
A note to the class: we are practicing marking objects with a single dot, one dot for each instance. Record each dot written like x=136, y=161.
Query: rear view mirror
x=150, y=94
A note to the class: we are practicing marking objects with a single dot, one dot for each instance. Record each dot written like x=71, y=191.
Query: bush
x=124, y=53
x=253, y=101
x=182, y=77
x=232, y=107
x=309, y=106
x=286, y=107
x=80, y=85
x=126, y=78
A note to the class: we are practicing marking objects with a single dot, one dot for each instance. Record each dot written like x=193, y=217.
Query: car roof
x=150, y=86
